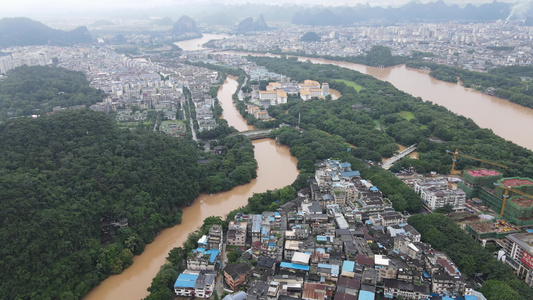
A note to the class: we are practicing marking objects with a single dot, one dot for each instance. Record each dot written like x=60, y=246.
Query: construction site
x=493, y=229
x=510, y=197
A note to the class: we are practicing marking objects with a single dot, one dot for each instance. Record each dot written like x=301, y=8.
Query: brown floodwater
x=230, y=113
x=196, y=44
x=276, y=169
x=506, y=119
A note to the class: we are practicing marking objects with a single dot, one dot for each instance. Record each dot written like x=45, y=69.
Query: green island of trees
x=37, y=90
x=354, y=115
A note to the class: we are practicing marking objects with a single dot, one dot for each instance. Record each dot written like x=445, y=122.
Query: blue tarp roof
x=334, y=269
x=374, y=189
x=351, y=174
x=366, y=295
x=348, y=266
x=186, y=280
x=321, y=238
x=470, y=297
x=294, y=266
x=213, y=254
x=345, y=165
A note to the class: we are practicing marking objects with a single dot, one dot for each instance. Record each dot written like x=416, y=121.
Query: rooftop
x=366, y=295
x=483, y=172
x=517, y=181
x=294, y=266
x=186, y=281
x=522, y=201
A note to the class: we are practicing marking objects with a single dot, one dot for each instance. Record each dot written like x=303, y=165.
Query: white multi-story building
x=435, y=194
x=200, y=284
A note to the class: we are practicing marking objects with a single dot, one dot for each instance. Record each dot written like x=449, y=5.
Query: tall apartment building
x=519, y=255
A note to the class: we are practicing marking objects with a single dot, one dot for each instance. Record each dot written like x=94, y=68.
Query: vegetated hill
x=38, y=89
x=185, y=25
x=249, y=24
x=310, y=36
x=64, y=179
x=26, y=32
x=412, y=11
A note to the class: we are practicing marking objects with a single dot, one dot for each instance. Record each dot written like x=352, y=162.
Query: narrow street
x=193, y=131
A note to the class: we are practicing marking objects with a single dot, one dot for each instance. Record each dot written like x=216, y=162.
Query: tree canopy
x=37, y=90
x=379, y=116
x=64, y=179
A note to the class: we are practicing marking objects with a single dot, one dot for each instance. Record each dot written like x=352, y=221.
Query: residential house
x=200, y=284
x=236, y=274
x=407, y=290
x=236, y=235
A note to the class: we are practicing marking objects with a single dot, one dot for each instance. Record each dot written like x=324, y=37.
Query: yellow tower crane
x=506, y=195
x=452, y=172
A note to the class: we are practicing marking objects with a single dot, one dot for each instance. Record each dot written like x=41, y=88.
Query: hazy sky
x=11, y=8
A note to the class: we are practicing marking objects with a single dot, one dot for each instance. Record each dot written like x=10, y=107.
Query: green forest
x=37, y=90
x=372, y=121
x=63, y=179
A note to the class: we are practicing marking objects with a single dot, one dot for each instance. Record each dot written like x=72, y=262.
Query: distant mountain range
x=26, y=32
x=248, y=25
x=413, y=11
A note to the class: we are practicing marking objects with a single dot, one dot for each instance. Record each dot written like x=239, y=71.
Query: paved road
x=155, y=124
x=391, y=161
x=193, y=131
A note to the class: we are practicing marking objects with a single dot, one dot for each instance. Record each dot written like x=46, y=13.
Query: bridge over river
x=255, y=134
x=391, y=161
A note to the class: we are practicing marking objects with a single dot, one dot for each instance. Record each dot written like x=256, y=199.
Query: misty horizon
x=65, y=8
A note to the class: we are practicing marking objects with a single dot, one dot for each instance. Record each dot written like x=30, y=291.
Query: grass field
x=406, y=115
x=351, y=83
